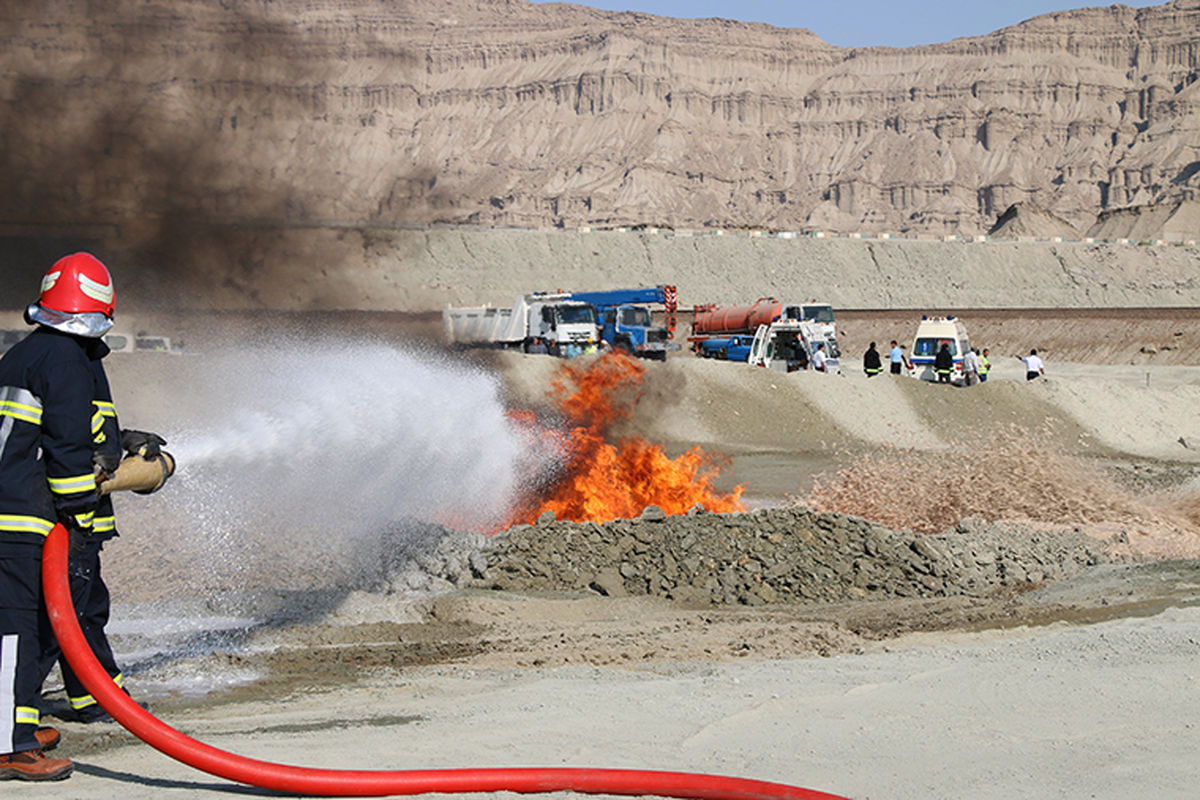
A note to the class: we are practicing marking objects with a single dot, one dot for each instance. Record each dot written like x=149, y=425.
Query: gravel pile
x=778, y=555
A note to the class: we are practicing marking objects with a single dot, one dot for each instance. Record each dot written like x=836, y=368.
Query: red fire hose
x=363, y=783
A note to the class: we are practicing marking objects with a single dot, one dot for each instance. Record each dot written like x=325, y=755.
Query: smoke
x=180, y=142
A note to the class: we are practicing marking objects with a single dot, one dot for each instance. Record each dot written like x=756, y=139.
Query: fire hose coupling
x=145, y=467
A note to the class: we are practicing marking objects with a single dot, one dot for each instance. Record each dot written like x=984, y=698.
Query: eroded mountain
x=161, y=115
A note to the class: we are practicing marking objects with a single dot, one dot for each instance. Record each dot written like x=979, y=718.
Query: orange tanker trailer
x=709, y=320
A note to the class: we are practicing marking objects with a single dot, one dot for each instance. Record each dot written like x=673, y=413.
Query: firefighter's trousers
x=91, y=600
x=21, y=640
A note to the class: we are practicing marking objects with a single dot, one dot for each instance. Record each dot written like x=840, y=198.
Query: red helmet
x=78, y=284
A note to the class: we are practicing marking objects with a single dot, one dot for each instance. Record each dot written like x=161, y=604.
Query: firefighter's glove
x=146, y=445
x=107, y=462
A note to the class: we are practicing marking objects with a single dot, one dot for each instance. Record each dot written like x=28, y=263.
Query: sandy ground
x=1105, y=710
x=1084, y=688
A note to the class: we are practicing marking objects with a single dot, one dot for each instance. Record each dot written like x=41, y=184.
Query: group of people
x=898, y=361
x=976, y=363
x=539, y=346
x=59, y=440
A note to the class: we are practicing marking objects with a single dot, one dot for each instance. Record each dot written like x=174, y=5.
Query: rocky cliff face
x=165, y=123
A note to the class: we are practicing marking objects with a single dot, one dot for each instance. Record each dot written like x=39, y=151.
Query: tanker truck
x=711, y=320
x=552, y=317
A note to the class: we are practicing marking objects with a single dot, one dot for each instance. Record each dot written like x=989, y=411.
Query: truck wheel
x=624, y=346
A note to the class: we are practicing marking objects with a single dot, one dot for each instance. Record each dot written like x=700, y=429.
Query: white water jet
x=293, y=459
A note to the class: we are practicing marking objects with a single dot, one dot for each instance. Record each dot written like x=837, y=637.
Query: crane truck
x=623, y=316
x=556, y=318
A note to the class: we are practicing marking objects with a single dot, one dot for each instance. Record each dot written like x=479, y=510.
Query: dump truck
x=553, y=317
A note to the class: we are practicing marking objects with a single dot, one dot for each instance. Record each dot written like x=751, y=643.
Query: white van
x=932, y=333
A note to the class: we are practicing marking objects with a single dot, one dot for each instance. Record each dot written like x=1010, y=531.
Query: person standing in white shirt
x=818, y=359
x=1034, y=367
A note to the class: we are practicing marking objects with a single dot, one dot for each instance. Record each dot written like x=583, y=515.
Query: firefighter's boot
x=34, y=765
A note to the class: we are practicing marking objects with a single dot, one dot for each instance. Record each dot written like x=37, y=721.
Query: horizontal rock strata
x=345, y=112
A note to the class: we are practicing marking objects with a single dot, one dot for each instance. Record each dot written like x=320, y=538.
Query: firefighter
x=872, y=364
x=58, y=428
x=943, y=364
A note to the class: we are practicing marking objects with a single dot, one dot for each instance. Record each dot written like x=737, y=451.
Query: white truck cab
x=932, y=333
x=818, y=314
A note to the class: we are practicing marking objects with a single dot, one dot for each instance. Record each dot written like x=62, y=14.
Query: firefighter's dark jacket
x=56, y=413
x=943, y=361
x=871, y=362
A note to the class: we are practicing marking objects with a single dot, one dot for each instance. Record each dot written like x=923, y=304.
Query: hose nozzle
x=140, y=475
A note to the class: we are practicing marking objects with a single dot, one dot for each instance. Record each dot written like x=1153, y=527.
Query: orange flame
x=603, y=481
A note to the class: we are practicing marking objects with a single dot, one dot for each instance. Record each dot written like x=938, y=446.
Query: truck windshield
x=572, y=315
x=635, y=317
x=930, y=346
x=819, y=313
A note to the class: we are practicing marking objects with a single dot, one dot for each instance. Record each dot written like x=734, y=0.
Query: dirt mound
x=1028, y=220
x=783, y=555
x=1165, y=221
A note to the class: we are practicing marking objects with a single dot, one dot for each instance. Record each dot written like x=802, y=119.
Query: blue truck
x=727, y=348
x=623, y=317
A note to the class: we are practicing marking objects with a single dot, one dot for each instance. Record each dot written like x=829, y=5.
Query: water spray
x=346, y=436
x=310, y=462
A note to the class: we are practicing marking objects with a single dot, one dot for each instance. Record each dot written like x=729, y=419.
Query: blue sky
x=862, y=23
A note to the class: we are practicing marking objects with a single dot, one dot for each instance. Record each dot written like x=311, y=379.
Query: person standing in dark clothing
x=872, y=364
x=47, y=407
x=58, y=431
x=943, y=364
